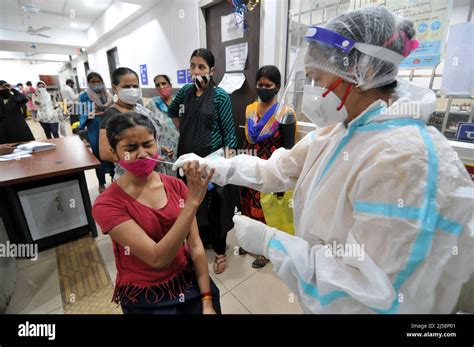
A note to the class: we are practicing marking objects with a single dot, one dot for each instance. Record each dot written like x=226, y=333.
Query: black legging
x=209, y=221
x=211, y=233
x=50, y=128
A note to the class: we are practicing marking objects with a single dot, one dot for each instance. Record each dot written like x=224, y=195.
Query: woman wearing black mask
x=203, y=113
x=264, y=135
x=13, y=127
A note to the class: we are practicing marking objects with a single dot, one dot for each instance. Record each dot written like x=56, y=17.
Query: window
x=302, y=13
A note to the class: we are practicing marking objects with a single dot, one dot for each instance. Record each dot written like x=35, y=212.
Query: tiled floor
x=243, y=289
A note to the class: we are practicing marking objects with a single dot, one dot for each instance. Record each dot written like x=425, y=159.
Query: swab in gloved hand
x=191, y=157
x=161, y=161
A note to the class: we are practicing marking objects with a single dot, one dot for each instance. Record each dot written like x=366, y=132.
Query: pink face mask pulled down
x=140, y=167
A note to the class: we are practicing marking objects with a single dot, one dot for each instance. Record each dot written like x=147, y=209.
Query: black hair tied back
x=123, y=121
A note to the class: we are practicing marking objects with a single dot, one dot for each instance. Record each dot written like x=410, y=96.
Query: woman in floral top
x=169, y=134
x=49, y=111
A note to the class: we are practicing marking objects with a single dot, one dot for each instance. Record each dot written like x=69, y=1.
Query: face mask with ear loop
x=130, y=96
x=144, y=167
x=322, y=106
x=201, y=81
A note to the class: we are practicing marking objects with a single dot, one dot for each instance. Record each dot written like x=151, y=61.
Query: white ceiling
x=67, y=23
x=33, y=47
x=72, y=15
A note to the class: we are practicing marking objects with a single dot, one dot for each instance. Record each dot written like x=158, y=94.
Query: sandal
x=260, y=262
x=219, y=263
x=242, y=251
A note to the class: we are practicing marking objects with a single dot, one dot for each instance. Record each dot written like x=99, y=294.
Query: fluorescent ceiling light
x=74, y=25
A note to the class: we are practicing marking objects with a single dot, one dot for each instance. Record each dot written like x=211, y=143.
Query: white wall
x=15, y=72
x=108, y=21
x=163, y=39
x=78, y=63
x=273, y=29
x=273, y=34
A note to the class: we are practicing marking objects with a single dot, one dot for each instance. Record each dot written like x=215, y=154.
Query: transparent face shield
x=323, y=51
x=289, y=106
x=305, y=69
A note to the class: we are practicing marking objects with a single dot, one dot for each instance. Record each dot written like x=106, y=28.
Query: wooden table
x=26, y=188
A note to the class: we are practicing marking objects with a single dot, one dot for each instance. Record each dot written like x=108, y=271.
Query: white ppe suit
x=390, y=185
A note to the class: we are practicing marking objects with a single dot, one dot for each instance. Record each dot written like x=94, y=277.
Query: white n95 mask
x=322, y=110
x=130, y=95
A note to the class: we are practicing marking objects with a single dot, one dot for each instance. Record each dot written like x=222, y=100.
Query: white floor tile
x=57, y=311
x=264, y=292
x=37, y=289
x=106, y=250
x=238, y=269
x=230, y=305
x=42, y=256
x=222, y=289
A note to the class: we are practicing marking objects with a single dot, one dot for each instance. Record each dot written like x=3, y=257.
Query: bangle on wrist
x=206, y=296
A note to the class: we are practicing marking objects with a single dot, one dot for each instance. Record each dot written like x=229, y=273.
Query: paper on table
x=232, y=82
x=236, y=56
x=17, y=154
x=230, y=30
x=36, y=146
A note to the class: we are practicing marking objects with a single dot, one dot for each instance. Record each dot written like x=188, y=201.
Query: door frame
x=272, y=32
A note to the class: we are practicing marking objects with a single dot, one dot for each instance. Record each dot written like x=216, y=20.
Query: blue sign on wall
x=190, y=80
x=181, y=76
x=143, y=74
x=465, y=132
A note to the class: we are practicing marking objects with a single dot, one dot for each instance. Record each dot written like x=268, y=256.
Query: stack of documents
x=36, y=146
x=25, y=150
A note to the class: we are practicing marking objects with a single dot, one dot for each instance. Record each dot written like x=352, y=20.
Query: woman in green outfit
x=206, y=124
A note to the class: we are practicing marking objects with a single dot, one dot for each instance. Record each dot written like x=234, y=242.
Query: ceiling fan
x=32, y=8
x=36, y=32
x=31, y=31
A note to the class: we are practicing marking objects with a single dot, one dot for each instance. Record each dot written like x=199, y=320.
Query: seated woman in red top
x=151, y=218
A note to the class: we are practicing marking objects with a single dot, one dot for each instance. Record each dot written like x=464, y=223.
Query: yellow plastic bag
x=278, y=212
x=74, y=125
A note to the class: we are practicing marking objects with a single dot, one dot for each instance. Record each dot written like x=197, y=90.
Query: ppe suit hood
x=409, y=101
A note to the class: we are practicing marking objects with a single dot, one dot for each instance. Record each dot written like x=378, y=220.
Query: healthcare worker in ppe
x=382, y=205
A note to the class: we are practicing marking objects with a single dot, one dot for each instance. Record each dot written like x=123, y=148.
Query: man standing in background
x=67, y=91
